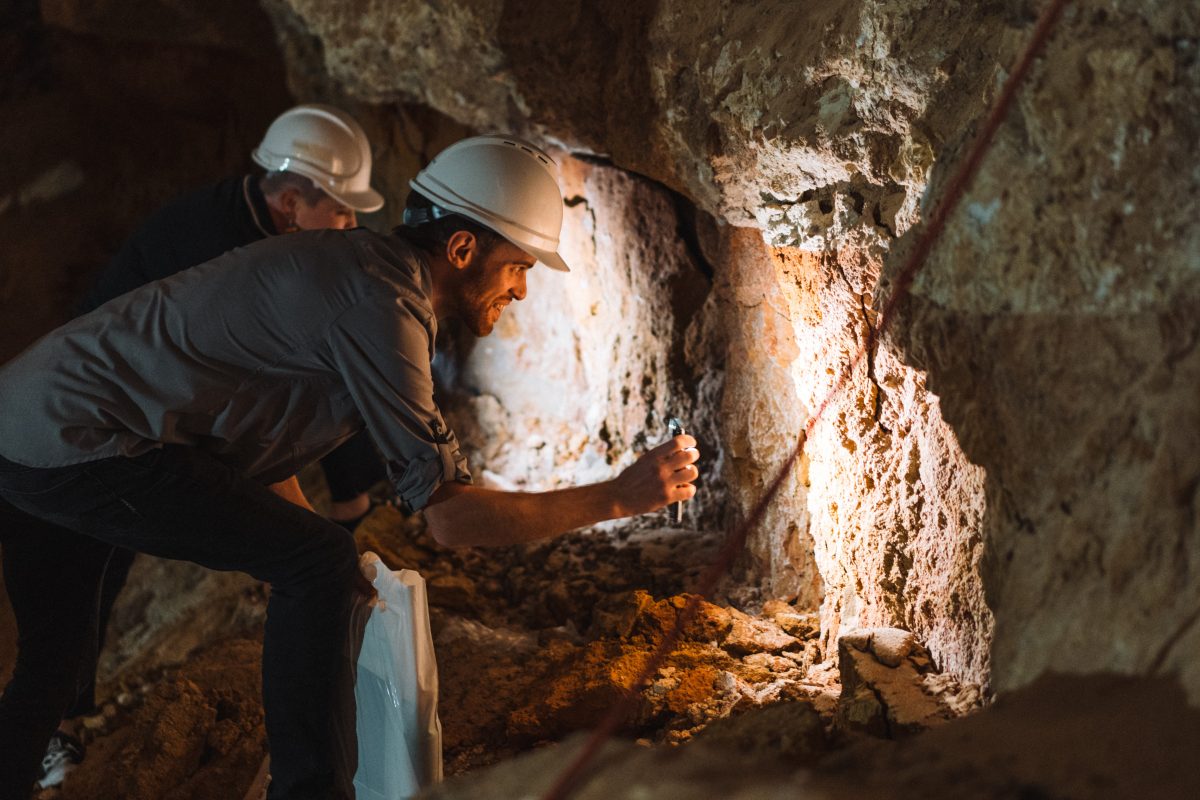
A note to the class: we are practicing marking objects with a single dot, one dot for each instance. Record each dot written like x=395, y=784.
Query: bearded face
x=488, y=284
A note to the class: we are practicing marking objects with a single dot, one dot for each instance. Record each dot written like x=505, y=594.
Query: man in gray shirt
x=162, y=421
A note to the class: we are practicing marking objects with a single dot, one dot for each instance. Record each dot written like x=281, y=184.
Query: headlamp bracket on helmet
x=416, y=217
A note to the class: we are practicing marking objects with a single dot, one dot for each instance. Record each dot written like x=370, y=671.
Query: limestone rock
x=773, y=607
x=883, y=691
x=756, y=635
x=637, y=614
x=750, y=122
x=890, y=646
x=1057, y=324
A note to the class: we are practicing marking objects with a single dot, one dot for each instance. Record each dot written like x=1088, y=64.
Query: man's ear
x=288, y=201
x=461, y=248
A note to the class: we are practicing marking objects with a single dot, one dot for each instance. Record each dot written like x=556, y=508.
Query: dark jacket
x=192, y=229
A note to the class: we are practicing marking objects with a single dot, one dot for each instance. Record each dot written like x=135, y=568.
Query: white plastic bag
x=395, y=692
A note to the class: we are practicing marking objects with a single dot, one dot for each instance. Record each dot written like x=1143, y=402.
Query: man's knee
x=327, y=563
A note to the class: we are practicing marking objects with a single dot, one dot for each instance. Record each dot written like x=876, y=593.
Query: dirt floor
x=535, y=644
x=1089, y=738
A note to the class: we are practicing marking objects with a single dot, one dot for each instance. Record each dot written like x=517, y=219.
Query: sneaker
x=62, y=755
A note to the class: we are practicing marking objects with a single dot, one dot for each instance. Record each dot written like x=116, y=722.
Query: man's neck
x=440, y=275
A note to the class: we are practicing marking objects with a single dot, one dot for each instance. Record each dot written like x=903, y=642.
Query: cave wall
x=817, y=133
x=1012, y=475
x=967, y=429
x=110, y=110
x=1058, y=323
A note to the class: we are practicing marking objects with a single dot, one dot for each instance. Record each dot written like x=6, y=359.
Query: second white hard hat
x=503, y=183
x=327, y=146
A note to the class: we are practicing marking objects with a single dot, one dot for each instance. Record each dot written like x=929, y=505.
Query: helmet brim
x=366, y=202
x=551, y=259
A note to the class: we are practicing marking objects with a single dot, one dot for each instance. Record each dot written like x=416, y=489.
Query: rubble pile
x=539, y=641
x=890, y=687
x=533, y=644
x=193, y=731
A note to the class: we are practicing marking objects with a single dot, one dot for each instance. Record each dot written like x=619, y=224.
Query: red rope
x=955, y=189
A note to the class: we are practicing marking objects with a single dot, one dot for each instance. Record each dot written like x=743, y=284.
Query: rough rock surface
x=821, y=130
x=743, y=118
x=888, y=688
x=1057, y=321
x=880, y=519
x=1097, y=737
x=196, y=734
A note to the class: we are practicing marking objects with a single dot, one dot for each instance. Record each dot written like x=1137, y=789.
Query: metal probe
x=675, y=428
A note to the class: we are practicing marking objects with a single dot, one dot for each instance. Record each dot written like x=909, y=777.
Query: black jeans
x=175, y=502
x=350, y=470
x=353, y=468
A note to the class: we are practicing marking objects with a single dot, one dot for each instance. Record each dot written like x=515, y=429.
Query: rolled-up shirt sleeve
x=383, y=347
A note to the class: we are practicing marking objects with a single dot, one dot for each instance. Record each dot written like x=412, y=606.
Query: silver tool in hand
x=675, y=428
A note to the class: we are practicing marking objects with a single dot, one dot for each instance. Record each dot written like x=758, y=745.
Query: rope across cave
x=571, y=777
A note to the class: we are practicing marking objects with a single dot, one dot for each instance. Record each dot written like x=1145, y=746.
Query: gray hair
x=277, y=182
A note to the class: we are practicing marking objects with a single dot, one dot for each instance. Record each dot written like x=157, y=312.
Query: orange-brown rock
x=199, y=734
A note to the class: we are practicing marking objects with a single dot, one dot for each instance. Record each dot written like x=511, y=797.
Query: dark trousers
x=353, y=468
x=120, y=561
x=58, y=529
x=350, y=470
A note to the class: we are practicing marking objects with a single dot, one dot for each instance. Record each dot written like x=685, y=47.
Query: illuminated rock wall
x=1032, y=373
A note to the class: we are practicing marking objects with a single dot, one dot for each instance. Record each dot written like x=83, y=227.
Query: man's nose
x=351, y=221
x=518, y=291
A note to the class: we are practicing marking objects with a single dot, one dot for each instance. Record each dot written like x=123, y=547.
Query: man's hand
x=660, y=477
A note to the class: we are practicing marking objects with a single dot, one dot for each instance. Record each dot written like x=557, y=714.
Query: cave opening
x=988, y=551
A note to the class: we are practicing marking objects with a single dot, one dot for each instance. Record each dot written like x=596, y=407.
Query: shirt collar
x=256, y=204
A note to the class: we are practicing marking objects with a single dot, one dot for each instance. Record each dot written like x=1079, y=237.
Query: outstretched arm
x=460, y=515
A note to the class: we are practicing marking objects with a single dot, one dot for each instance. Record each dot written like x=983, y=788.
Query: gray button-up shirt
x=268, y=357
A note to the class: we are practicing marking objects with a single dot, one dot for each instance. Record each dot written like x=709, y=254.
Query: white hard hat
x=326, y=145
x=503, y=183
